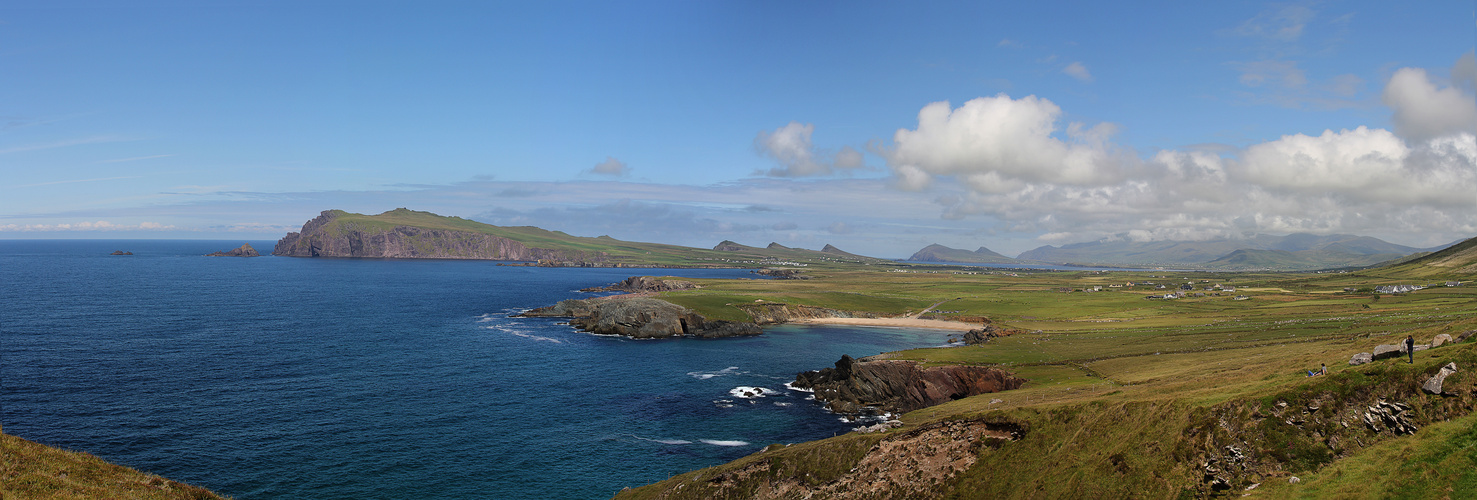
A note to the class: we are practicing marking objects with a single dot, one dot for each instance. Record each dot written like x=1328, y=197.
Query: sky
x=876, y=127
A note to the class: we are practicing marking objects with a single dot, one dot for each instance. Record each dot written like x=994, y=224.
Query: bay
x=278, y=377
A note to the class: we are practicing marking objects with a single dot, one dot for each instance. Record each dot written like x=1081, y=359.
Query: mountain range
x=1299, y=251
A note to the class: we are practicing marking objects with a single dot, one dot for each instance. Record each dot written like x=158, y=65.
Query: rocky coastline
x=320, y=237
x=899, y=386
x=641, y=318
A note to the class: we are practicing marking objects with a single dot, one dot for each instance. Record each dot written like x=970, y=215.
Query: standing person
x=1410, y=347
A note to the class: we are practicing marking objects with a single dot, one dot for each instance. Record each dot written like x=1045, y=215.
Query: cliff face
x=641, y=317
x=773, y=313
x=321, y=237
x=900, y=386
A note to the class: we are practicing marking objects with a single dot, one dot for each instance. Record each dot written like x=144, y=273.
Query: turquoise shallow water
x=323, y=378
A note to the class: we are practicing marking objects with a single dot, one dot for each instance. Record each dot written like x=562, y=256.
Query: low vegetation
x=32, y=470
x=1201, y=395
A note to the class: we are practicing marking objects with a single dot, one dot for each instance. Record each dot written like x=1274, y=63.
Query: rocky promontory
x=244, y=251
x=638, y=284
x=899, y=386
x=642, y=318
x=335, y=234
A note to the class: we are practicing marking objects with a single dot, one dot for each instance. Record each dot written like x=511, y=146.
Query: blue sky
x=877, y=127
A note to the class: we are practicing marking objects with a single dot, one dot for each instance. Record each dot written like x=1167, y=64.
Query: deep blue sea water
x=279, y=377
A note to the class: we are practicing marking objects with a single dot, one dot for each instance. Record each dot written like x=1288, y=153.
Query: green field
x=1129, y=396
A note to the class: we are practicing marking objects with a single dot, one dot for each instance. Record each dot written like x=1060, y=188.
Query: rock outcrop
x=982, y=335
x=1433, y=384
x=1361, y=358
x=120, y=252
x=781, y=274
x=323, y=237
x=899, y=386
x=636, y=284
x=774, y=313
x=642, y=318
x=244, y=251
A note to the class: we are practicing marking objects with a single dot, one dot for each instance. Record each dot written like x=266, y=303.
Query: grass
x=33, y=470
x=1128, y=396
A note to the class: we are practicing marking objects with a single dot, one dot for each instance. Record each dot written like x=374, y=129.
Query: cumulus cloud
x=611, y=167
x=1002, y=158
x=997, y=142
x=791, y=147
x=1078, y=71
x=1424, y=110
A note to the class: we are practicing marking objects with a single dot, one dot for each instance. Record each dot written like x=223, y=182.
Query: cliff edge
x=336, y=233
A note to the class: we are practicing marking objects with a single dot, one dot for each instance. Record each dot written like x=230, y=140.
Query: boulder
x=1360, y=359
x=1387, y=351
x=1433, y=384
x=1440, y=340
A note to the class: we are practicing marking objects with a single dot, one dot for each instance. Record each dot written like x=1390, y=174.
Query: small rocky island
x=120, y=252
x=244, y=251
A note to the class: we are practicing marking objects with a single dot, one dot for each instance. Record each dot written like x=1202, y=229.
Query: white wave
x=791, y=386
x=747, y=392
x=732, y=370
x=781, y=404
x=662, y=441
x=513, y=331
x=719, y=442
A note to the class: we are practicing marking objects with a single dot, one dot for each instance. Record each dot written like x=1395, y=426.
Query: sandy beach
x=897, y=322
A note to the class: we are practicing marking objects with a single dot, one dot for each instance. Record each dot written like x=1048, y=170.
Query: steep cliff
x=899, y=386
x=332, y=234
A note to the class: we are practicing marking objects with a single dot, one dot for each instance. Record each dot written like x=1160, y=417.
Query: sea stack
x=244, y=251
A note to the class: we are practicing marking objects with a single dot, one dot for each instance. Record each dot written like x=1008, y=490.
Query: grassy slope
x=31, y=470
x=1117, y=382
x=630, y=253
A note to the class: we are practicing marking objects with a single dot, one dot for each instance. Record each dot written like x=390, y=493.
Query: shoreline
x=934, y=324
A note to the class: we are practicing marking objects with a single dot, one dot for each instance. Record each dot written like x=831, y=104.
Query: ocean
x=276, y=377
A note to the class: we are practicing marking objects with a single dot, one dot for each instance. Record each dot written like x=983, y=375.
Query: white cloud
x=1009, y=138
x=1078, y=71
x=612, y=167
x=1280, y=24
x=790, y=145
x=999, y=158
x=101, y=225
x=1423, y=110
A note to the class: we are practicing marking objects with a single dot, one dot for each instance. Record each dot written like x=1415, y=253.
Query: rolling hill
x=940, y=253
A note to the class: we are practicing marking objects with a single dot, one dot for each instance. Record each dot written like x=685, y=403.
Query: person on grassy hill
x=1410, y=347
x=1322, y=369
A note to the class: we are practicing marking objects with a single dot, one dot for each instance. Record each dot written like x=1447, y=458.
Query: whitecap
x=747, y=392
x=719, y=442
x=662, y=441
x=791, y=386
x=781, y=404
x=732, y=370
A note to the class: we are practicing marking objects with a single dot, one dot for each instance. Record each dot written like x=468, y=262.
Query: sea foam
x=747, y=392
x=732, y=370
x=719, y=442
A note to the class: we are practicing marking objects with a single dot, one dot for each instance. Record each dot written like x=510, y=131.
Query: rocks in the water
x=1387, y=351
x=1433, y=384
x=120, y=252
x=1440, y=340
x=641, y=317
x=244, y=251
x=1361, y=358
x=899, y=386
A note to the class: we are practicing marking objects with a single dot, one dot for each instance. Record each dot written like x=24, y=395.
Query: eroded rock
x=899, y=386
x=1433, y=384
